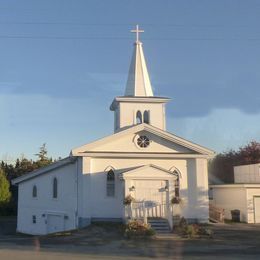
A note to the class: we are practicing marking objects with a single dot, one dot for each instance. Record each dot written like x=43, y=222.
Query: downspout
x=77, y=192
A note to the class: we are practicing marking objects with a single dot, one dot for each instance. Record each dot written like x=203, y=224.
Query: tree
x=42, y=155
x=43, y=159
x=10, y=171
x=5, y=194
x=250, y=153
x=222, y=166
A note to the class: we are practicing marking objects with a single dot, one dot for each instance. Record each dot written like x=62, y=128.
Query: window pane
x=138, y=117
x=34, y=193
x=55, y=188
x=146, y=117
x=110, y=189
x=110, y=183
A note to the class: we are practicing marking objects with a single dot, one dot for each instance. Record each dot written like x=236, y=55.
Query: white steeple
x=138, y=105
x=138, y=82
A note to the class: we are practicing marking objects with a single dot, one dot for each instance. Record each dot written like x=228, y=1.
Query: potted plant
x=128, y=200
x=175, y=200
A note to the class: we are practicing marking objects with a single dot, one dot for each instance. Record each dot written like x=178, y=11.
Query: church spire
x=138, y=82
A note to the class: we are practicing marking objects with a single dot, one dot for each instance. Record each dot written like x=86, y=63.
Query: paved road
x=236, y=241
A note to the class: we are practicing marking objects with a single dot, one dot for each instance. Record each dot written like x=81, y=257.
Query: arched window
x=110, y=183
x=55, y=188
x=34, y=191
x=146, y=117
x=176, y=184
x=139, y=117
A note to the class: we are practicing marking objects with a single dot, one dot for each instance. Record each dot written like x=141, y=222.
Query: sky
x=63, y=61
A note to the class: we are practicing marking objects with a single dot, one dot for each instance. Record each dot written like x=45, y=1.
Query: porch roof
x=149, y=171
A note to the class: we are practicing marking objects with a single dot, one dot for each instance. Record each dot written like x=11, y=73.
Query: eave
x=140, y=99
x=44, y=170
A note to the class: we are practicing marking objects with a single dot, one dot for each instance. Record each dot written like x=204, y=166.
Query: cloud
x=8, y=86
x=199, y=98
x=88, y=86
x=220, y=130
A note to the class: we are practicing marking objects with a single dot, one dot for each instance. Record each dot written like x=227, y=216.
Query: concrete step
x=160, y=225
x=163, y=232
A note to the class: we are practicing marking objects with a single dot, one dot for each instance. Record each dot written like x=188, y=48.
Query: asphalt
x=230, y=241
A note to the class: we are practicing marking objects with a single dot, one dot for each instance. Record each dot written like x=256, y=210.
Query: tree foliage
x=43, y=159
x=21, y=167
x=5, y=194
x=221, y=167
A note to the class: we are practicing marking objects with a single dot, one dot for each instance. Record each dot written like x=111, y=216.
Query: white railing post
x=130, y=211
x=170, y=216
x=144, y=212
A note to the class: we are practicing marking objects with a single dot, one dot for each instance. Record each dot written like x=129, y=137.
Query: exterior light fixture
x=132, y=188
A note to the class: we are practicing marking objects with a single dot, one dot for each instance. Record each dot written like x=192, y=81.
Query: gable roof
x=45, y=169
x=128, y=173
x=144, y=127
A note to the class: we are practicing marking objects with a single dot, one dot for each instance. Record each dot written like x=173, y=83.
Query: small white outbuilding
x=243, y=195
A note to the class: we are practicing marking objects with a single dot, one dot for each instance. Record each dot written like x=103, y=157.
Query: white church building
x=140, y=159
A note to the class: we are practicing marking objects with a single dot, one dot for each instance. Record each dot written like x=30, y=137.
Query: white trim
x=46, y=169
x=151, y=129
x=129, y=174
x=141, y=155
x=236, y=185
x=133, y=99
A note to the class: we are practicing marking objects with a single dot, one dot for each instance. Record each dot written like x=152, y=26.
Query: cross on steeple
x=137, y=31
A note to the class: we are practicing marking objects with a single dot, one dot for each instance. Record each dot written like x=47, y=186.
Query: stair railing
x=216, y=214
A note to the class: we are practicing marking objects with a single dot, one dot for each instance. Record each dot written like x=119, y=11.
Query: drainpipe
x=77, y=192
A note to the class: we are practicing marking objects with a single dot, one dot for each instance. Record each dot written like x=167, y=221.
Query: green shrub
x=192, y=230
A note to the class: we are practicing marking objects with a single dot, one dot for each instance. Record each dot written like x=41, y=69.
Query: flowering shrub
x=193, y=230
x=136, y=228
x=176, y=200
x=128, y=200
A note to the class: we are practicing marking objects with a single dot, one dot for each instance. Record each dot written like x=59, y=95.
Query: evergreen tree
x=42, y=155
x=5, y=194
x=43, y=159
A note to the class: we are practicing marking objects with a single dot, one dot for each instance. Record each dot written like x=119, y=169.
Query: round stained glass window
x=143, y=141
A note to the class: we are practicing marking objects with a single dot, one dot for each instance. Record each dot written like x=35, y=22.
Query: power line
x=122, y=38
x=128, y=24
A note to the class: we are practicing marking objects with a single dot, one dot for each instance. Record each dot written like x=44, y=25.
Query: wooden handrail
x=216, y=214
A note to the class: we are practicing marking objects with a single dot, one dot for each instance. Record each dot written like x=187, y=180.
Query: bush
x=136, y=228
x=175, y=200
x=192, y=230
x=8, y=209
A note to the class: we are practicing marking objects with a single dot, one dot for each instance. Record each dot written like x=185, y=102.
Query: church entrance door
x=151, y=194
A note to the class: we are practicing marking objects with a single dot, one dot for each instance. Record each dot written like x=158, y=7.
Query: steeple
x=138, y=82
x=138, y=105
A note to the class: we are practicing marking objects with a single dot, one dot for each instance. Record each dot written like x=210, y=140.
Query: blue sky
x=62, y=63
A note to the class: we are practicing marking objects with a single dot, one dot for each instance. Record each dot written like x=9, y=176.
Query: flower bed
x=193, y=230
x=136, y=228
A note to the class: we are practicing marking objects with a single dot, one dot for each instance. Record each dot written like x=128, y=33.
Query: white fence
x=147, y=209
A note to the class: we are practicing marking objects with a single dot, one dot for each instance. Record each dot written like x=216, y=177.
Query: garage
x=257, y=209
x=55, y=223
x=244, y=197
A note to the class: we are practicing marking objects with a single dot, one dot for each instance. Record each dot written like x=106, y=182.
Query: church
x=162, y=174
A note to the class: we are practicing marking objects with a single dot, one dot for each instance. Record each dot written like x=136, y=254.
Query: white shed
x=243, y=195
